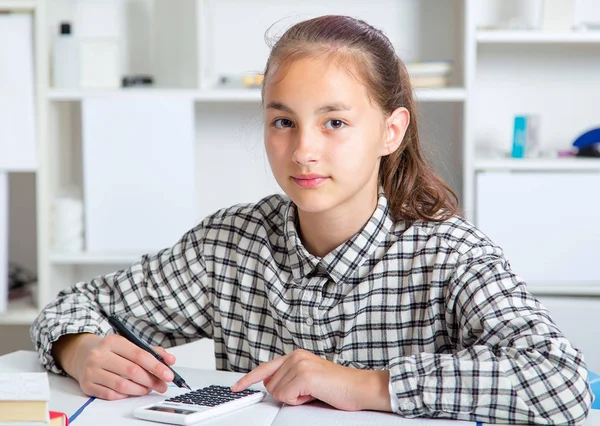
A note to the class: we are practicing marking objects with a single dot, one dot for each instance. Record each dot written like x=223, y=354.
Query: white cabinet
x=547, y=224
x=577, y=319
x=139, y=180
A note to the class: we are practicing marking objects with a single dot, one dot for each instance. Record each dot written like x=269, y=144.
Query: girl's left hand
x=302, y=376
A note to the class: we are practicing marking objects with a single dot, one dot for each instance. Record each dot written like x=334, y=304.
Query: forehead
x=317, y=80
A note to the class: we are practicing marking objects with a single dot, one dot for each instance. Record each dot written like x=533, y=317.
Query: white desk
x=68, y=398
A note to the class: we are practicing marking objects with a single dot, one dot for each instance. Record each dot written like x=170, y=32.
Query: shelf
x=78, y=95
x=17, y=5
x=538, y=165
x=18, y=170
x=249, y=95
x=525, y=36
x=447, y=94
x=19, y=312
x=84, y=258
x=450, y=94
x=565, y=289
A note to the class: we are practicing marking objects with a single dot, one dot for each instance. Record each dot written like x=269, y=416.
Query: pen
x=123, y=331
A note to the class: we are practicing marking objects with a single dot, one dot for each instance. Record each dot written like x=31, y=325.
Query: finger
x=169, y=358
x=120, y=385
x=260, y=373
x=102, y=392
x=281, y=377
x=117, y=364
x=123, y=347
x=280, y=388
x=291, y=393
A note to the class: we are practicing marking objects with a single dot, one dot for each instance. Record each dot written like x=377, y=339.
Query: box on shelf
x=525, y=136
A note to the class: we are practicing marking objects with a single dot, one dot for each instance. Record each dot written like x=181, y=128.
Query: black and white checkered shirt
x=434, y=303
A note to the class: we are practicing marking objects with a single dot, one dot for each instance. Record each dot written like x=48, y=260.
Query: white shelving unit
x=60, y=117
x=538, y=209
x=497, y=74
x=22, y=312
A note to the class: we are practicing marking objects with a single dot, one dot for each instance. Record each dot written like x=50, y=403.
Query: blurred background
x=125, y=122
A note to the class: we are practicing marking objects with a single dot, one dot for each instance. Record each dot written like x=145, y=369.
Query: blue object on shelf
x=587, y=138
x=595, y=385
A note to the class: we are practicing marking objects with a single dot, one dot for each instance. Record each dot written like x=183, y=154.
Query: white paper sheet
x=308, y=414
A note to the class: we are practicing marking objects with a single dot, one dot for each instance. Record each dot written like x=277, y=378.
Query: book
x=58, y=419
x=429, y=68
x=24, y=398
x=429, y=82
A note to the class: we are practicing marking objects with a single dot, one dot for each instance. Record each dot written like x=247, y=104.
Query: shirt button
x=309, y=321
x=410, y=405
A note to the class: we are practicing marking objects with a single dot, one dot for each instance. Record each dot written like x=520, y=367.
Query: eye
x=335, y=124
x=282, y=123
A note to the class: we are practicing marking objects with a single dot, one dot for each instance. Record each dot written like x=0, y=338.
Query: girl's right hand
x=112, y=367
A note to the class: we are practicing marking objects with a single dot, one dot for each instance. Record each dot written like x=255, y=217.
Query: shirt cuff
x=393, y=397
x=405, y=386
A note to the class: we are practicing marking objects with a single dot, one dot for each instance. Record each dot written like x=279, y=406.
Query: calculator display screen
x=171, y=410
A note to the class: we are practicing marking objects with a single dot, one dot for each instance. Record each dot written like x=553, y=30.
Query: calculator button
x=211, y=396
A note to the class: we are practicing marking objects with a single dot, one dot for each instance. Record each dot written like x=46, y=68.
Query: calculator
x=200, y=404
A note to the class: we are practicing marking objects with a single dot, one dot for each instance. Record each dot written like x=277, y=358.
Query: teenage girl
x=361, y=288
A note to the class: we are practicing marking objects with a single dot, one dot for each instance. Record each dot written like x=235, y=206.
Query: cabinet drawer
x=577, y=318
x=547, y=223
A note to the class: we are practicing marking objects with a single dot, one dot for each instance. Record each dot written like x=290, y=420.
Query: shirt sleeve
x=511, y=364
x=162, y=298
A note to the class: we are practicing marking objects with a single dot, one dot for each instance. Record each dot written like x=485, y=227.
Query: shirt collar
x=344, y=260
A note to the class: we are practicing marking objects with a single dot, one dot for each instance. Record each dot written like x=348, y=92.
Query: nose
x=308, y=147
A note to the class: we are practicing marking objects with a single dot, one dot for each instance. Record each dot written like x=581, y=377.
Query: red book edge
x=57, y=414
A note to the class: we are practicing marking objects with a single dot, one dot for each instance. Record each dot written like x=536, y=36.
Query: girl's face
x=324, y=137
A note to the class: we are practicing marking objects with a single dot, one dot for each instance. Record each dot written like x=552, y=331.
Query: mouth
x=309, y=181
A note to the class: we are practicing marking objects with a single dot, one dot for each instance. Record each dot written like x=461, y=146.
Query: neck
x=323, y=232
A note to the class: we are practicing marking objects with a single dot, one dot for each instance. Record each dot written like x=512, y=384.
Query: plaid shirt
x=434, y=303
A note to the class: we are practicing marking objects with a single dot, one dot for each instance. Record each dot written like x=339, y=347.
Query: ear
x=395, y=129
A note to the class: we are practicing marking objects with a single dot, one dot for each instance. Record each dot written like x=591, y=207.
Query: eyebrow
x=321, y=110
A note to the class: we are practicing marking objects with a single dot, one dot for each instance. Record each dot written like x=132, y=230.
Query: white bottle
x=65, y=59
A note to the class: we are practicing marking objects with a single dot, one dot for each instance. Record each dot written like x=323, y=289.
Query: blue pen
x=123, y=331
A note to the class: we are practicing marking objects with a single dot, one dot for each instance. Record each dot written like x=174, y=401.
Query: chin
x=311, y=201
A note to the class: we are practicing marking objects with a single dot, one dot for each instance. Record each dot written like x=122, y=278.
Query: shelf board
x=525, y=36
x=446, y=94
x=17, y=5
x=449, y=94
x=525, y=164
x=19, y=312
x=85, y=258
x=565, y=290
x=18, y=170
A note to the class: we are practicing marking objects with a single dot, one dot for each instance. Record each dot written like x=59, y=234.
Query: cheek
x=276, y=152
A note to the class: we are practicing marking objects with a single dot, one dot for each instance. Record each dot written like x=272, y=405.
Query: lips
x=309, y=180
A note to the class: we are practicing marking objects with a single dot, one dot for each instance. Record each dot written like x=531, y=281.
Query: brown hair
x=413, y=189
